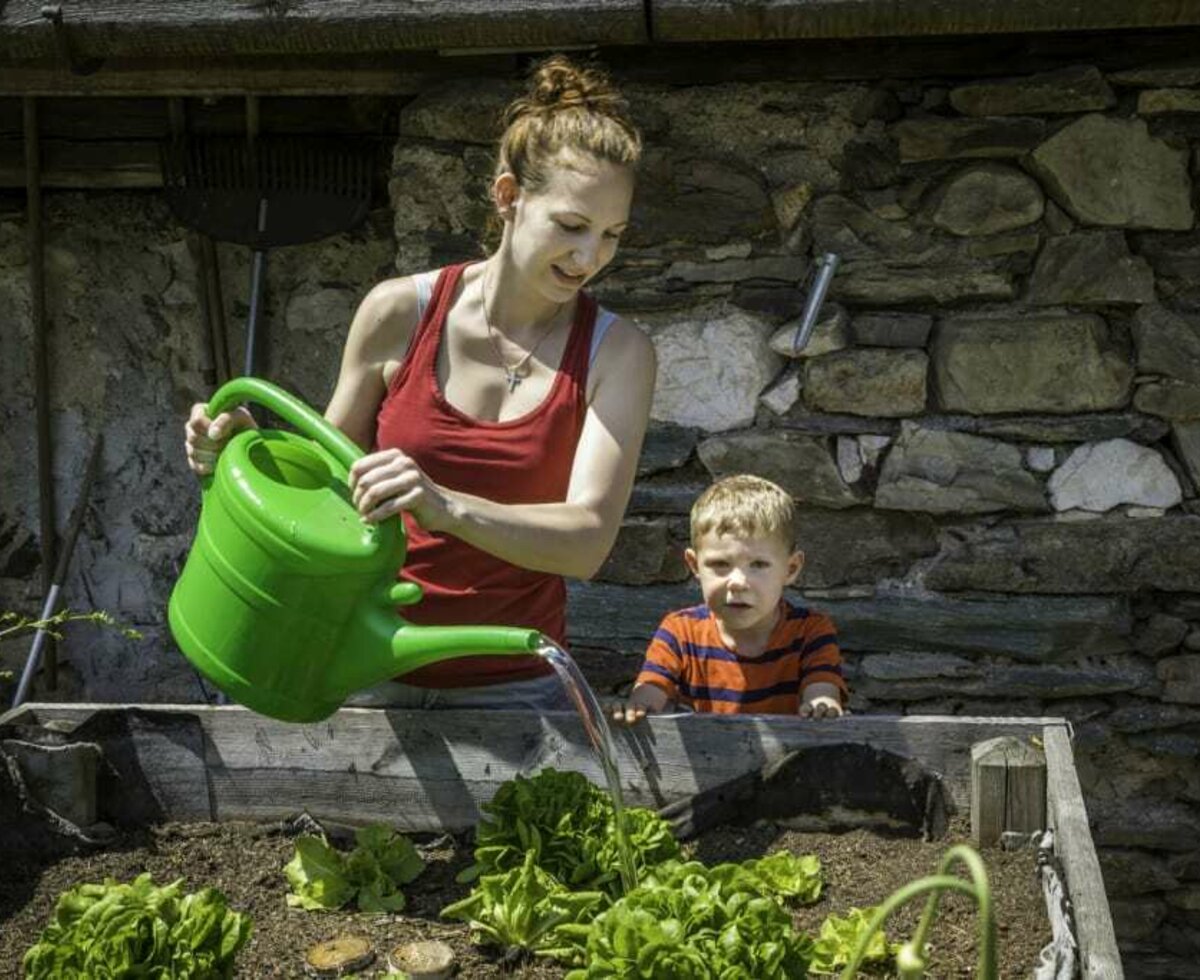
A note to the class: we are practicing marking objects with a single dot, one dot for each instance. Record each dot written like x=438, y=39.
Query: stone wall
x=994, y=433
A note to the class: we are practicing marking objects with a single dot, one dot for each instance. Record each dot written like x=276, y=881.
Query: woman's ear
x=504, y=193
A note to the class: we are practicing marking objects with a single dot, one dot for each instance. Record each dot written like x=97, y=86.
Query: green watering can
x=287, y=601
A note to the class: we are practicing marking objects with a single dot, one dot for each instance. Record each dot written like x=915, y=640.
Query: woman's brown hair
x=570, y=108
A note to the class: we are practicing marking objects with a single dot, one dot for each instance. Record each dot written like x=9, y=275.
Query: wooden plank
x=766, y=20
x=430, y=770
x=186, y=28
x=93, y=164
x=213, y=77
x=1008, y=789
x=86, y=118
x=1098, y=954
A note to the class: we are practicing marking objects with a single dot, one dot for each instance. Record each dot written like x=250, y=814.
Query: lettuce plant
x=138, y=930
x=526, y=909
x=685, y=920
x=839, y=938
x=370, y=876
x=568, y=824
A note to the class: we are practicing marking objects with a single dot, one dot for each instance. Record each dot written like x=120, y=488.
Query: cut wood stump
x=1008, y=788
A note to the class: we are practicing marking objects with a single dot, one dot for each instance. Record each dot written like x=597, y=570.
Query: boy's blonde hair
x=746, y=506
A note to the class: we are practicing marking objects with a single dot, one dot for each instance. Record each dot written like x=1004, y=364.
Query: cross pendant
x=512, y=379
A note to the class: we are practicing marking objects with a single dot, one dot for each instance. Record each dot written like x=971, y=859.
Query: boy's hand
x=821, y=701
x=645, y=699
x=628, y=713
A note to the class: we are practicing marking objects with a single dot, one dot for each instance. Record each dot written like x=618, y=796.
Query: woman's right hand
x=205, y=437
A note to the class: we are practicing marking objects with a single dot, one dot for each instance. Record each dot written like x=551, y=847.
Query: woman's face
x=564, y=232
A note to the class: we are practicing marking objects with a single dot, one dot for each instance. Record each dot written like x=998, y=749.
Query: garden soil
x=245, y=861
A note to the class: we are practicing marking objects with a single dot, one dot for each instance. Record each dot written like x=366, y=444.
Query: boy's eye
x=572, y=228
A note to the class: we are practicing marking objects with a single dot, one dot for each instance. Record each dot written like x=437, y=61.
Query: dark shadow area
x=825, y=788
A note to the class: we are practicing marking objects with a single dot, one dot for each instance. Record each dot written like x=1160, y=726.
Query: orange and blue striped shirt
x=688, y=659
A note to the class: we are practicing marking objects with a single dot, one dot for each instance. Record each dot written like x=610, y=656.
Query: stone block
x=1057, y=364
x=891, y=329
x=1112, y=555
x=1079, y=88
x=1167, y=342
x=986, y=199
x=868, y=381
x=1090, y=268
x=951, y=472
x=803, y=465
x=1181, y=678
x=1112, y=172
x=1100, y=476
x=939, y=138
x=711, y=370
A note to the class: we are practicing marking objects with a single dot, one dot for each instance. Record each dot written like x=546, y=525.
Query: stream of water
x=598, y=733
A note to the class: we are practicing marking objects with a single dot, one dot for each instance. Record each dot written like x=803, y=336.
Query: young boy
x=747, y=650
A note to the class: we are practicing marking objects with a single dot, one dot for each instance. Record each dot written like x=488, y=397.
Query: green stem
x=934, y=883
x=983, y=897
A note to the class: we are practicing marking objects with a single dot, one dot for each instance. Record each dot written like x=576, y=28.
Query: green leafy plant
x=568, y=824
x=797, y=879
x=911, y=956
x=138, y=930
x=527, y=909
x=12, y=623
x=839, y=938
x=688, y=921
x=370, y=876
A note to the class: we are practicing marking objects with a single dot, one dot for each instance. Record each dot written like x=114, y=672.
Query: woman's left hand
x=388, y=482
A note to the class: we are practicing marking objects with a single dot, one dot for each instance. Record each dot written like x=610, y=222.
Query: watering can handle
x=289, y=408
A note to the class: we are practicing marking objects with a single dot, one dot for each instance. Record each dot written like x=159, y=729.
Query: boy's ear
x=693, y=564
x=795, y=565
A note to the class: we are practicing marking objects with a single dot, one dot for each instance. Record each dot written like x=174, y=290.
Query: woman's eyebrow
x=585, y=219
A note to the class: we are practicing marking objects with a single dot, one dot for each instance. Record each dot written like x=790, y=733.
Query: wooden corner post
x=1008, y=788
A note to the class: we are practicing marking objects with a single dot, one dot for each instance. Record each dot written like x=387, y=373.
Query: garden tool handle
x=289, y=408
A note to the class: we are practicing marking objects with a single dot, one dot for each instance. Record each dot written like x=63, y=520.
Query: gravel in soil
x=245, y=862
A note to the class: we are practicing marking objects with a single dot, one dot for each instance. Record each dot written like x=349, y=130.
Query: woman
x=504, y=411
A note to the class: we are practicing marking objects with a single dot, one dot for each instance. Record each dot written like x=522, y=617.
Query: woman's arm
x=378, y=337
x=570, y=538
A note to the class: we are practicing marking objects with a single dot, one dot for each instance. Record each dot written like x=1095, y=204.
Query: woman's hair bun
x=557, y=84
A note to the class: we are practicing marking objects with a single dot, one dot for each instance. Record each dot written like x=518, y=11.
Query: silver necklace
x=514, y=375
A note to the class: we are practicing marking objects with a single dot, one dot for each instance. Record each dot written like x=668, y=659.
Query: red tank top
x=522, y=460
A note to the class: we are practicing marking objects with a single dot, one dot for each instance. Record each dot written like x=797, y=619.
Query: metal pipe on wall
x=41, y=361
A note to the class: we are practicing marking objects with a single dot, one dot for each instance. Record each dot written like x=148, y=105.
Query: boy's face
x=743, y=578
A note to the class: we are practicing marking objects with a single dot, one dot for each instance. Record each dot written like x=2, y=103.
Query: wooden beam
x=105, y=164
x=205, y=28
x=770, y=20
x=1098, y=954
x=430, y=770
x=268, y=75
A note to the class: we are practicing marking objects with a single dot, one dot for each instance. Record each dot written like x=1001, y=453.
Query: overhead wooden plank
x=430, y=770
x=769, y=20
x=100, y=164
x=190, y=28
x=1098, y=954
x=311, y=75
x=140, y=118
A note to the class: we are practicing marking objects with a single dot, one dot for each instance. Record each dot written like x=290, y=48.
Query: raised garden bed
x=201, y=791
